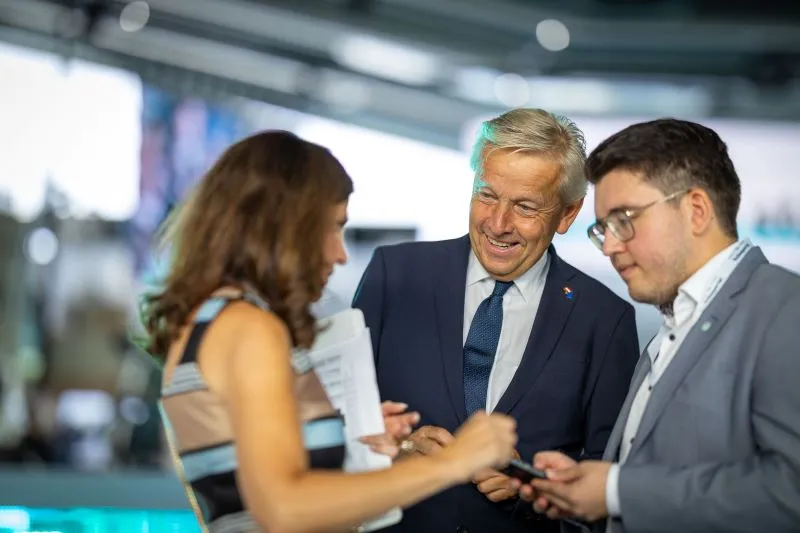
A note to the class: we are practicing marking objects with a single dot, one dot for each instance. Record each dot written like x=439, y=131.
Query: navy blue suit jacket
x=566, y=393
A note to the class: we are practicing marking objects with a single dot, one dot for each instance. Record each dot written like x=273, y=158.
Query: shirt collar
x=526, y=284
x=692, y=291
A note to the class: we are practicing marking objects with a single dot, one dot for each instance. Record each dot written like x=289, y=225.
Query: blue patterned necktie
x=481, y=345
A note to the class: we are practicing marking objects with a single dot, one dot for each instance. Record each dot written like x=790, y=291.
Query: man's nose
x=612, y=245
x=500, y=220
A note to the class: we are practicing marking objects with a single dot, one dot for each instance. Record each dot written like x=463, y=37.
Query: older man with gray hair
x=496, y=321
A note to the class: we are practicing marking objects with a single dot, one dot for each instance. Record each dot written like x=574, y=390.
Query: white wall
x=74, y=123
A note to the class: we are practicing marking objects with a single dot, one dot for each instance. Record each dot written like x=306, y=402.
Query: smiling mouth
x=500, y=245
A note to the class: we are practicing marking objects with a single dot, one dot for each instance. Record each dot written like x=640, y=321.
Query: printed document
x=343, y=360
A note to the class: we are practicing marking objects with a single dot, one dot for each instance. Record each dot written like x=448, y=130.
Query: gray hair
x=538, y=132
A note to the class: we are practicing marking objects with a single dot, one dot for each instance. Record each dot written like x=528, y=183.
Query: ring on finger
x=408, y=446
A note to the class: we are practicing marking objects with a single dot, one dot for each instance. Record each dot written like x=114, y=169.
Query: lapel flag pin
x=568, y=293
x=705, y=327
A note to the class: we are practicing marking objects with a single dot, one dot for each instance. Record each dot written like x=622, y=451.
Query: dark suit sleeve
x=369, y=297
x=611, y=387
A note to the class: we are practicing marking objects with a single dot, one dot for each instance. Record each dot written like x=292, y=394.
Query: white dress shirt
x=686, y=310
x=520, y=304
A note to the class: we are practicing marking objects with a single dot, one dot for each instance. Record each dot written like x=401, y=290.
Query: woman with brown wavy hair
x=256, y=440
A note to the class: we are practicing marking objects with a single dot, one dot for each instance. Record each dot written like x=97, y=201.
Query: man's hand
x=578, y=490
x=427, y=440
x=398, y=424
x=495, y=485
x=547, y=462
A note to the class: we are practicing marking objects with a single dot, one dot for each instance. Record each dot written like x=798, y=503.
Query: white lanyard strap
x=725, y=270
x=721, y=275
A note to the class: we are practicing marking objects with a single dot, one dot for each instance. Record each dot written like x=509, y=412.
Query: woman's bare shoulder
x=243, y=335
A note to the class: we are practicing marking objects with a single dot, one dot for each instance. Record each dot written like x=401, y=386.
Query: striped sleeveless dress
x=200, y=435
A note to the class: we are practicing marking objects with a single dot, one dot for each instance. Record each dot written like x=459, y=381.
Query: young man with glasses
x=708, y=439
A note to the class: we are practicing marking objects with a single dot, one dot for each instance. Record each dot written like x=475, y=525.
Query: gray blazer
x=718, y=447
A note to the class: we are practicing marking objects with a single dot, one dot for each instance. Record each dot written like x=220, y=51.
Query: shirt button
x=649, y=387
x=671, y=336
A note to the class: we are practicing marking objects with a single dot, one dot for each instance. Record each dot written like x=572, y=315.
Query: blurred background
x=110, y=110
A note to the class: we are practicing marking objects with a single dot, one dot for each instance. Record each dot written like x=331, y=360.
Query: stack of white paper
x=342, y=357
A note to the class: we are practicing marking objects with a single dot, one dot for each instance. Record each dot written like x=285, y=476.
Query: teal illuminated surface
x=34, y=520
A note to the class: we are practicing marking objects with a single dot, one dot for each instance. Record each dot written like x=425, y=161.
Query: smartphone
x=523, y=471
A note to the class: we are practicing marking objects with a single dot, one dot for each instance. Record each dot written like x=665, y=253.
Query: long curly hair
x=257, y=219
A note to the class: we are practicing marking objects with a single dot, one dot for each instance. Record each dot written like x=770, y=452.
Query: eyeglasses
x=620, y=223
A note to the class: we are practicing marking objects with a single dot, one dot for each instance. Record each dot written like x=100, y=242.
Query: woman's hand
x=398, y=424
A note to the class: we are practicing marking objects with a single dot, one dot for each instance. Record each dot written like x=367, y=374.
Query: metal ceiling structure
x=425, y=67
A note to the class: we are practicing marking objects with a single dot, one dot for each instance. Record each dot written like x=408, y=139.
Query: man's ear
x=568, y=216
x=700, y=209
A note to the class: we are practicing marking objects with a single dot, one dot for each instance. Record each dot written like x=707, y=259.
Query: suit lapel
x=554, y=310
x=696, y=343
x=449, y=293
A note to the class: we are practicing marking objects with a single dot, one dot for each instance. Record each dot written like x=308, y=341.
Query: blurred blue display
x=29, y=520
